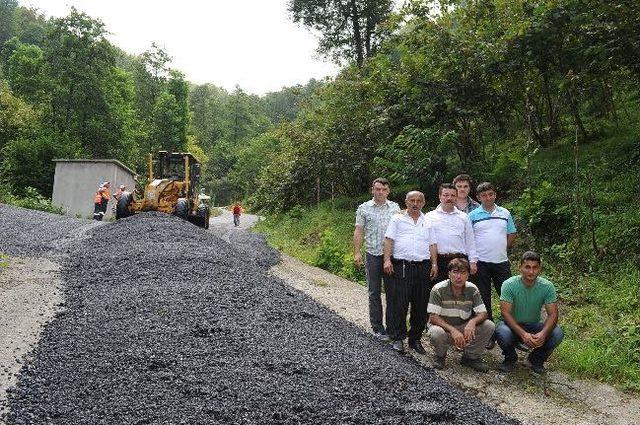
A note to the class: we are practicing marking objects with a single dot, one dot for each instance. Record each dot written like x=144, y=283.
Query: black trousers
x=409, y=286
x=487, y=273
x=443, y=263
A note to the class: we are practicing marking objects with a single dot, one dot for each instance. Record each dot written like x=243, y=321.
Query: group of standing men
x=428, y=263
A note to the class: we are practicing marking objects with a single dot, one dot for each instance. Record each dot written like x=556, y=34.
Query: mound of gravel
x=31, y=233
x=167, y=323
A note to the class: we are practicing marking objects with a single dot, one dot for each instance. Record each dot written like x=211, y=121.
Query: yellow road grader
x=171, y=189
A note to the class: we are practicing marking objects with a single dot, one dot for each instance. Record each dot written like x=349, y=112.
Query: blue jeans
x=507, y=340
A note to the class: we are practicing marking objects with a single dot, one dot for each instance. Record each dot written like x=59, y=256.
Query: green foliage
x=29, y=163
x=33, y=201
x=348, y=28
x=603, y=329
x=542, y=209
x=319, y=236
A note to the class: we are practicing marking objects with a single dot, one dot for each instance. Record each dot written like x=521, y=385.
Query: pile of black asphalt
x=165, y=323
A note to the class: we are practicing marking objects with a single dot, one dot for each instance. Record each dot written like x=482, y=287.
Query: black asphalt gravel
x=166, y=323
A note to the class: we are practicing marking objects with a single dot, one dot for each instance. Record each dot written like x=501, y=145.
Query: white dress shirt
x=454, y=233
x=411, y=239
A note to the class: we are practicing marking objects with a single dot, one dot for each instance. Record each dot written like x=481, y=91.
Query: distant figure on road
x=372, y=219
x=521, y=300
x=410, y=261
x=459, y=317
x=237, y=212
x=100, y=201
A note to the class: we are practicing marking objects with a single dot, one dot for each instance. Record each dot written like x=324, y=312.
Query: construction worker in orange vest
x=100, y=201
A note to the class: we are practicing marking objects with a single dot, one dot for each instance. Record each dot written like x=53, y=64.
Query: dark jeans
x=488, y=272
x=374, y=269
x=443, y=263
x=236, y=220
x=507, y=340
x=407, y=286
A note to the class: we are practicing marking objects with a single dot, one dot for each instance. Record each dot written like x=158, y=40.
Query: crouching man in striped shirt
x=458, y=316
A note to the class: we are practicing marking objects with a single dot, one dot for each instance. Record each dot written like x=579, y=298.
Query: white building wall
x=76, y=182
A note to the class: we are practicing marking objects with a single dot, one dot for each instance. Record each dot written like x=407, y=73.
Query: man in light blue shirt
x=494, y=232
x=372, y=219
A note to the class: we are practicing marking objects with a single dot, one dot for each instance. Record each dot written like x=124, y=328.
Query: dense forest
x=67, y=92
x=539, y=97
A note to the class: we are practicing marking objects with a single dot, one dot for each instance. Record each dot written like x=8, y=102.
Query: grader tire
x=203, y=216
x=123, y=207
x=182, y=209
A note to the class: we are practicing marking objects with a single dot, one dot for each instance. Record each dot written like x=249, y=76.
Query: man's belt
x=400, y=260
x=451, y=256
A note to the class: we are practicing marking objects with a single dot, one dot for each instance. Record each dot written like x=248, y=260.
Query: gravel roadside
x=554, y=399
x=164, y=322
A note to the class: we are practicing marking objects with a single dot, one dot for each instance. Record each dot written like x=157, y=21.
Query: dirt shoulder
x=554, y=399
x=30, y=293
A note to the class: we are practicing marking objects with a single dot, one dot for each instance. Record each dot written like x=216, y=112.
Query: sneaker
x=476, y=364
x=490, y=344
x=417, y=346
x=438, y=362
x=522, y=347
x=380, y=336
x=398, y=346
x=538, y=369
x=507, y=365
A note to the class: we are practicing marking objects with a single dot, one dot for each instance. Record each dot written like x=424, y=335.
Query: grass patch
x=321, y=237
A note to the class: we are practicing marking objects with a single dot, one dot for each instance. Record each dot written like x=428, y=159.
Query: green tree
x=24, y=71
x=347, y=27
x=7, y=19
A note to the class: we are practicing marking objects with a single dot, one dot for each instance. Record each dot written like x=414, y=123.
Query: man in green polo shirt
x=521, y=301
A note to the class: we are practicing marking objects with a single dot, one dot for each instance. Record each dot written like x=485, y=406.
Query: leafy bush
x=544, y=208
x=329, y=255
x=33, y=201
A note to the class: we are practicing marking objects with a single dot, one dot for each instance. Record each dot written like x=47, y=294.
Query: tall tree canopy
x=348, y=28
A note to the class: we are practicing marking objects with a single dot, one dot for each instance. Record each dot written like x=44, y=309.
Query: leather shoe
x=398, y=346
x=507, y=366
x=476, y=364
x=438, y=362
x=382, y=337
x=416, y=345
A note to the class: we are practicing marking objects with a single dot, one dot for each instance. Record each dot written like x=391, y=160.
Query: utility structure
x=171, y=189
x=76, y=180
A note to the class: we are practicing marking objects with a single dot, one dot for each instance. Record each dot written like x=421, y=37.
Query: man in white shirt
x=372, y=219
x=410, y=251
x=454, y=234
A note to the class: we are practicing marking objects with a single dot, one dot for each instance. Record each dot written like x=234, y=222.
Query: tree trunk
x=357, y=33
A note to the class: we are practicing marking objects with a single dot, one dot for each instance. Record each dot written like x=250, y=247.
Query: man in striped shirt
x=458, y=316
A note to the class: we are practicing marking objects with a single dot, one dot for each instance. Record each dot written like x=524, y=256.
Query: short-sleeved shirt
x=411, y=239
x=490, y=230
x=454, y=233
x=527, y=302
x=471, y=205
x=455, y=310
x=374, y=219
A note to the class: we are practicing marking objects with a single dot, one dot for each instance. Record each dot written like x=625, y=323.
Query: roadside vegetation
x=583, y=224
x=539, y=97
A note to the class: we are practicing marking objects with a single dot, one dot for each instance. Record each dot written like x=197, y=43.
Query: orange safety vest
x=101, y=193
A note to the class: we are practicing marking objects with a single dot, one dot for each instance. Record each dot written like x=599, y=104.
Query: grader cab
x=171, y=189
